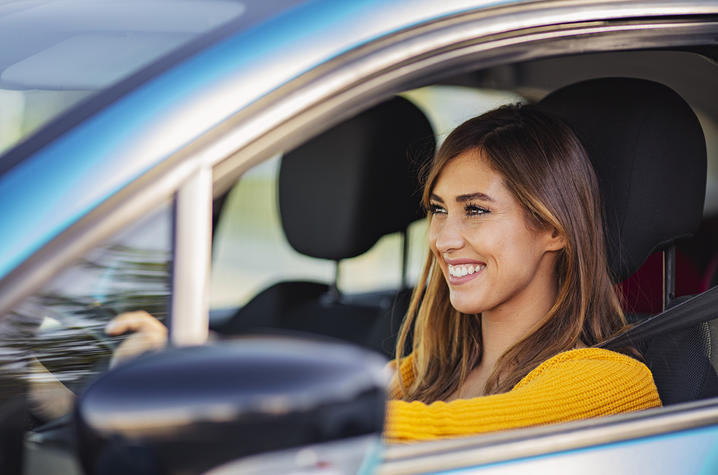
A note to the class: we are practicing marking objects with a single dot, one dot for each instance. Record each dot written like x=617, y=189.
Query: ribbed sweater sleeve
x=576, y=384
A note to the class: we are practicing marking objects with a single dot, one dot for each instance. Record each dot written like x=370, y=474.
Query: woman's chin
x=464, y=305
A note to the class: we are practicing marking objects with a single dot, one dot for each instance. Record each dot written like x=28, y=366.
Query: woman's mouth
x=460, y=273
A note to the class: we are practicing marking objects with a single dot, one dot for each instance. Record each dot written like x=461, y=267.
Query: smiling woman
x=518, y=289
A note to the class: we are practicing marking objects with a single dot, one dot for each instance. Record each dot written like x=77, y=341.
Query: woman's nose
x=449, y=236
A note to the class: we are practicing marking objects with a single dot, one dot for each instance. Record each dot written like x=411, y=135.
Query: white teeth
x=463, y=269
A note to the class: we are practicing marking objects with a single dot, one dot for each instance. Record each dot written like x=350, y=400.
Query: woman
x=518, y=289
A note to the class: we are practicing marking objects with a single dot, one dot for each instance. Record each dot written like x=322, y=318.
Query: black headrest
x=648, y=150
x=344, y=189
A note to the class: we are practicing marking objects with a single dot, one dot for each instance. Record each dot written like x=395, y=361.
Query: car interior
x=642, y=120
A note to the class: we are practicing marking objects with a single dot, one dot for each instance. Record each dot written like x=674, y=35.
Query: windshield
x=56, y=53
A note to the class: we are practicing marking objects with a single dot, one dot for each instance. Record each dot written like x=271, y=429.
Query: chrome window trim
x=322, y=97
x=480, y=450
x=189, y=315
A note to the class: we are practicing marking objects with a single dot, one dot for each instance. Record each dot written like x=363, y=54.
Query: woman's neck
x=500, y=330
x=498, y=335
x=504, y=326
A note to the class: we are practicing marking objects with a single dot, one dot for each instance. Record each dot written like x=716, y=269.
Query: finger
x=136, y=344
x=140, y=342
x=133, y=322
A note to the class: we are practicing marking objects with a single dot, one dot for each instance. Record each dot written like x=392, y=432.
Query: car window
x=53, y=343
x=250, y=249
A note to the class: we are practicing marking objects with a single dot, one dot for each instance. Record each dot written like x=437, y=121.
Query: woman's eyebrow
x=464, y=198
x=474, y=196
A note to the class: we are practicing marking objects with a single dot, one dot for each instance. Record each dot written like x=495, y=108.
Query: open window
x=252, y=252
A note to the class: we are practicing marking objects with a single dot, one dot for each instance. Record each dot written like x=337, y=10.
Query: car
x=240, y=167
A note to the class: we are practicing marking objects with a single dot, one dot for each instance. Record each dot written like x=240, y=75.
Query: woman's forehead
x=467, y=173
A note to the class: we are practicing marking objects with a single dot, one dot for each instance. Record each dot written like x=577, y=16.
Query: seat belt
x=695, y=310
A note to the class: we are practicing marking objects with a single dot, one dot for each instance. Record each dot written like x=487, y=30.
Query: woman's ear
x=555, y=241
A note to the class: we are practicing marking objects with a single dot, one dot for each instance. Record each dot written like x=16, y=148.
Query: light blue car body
x=690, y=452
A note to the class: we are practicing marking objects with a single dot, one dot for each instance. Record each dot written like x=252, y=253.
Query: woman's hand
x=149, y=334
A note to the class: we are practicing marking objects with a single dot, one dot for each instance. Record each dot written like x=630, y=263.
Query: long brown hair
x=546, y=168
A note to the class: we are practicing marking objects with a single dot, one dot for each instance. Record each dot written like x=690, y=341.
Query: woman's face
x=492, y=258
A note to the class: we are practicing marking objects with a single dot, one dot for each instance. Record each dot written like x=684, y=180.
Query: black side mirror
x=188, y=410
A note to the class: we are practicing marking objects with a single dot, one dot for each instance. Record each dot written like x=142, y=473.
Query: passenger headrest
x=344, y=189
x=648, y=150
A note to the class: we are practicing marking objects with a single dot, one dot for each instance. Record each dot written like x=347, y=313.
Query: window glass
x=71, y=49
x=54, y=342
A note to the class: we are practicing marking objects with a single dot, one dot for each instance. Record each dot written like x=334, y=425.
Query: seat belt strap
x=698, y=309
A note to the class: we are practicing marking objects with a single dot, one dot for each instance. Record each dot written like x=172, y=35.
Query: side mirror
x=189, y=410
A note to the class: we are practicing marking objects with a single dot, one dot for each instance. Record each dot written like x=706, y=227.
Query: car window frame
x=586, y=37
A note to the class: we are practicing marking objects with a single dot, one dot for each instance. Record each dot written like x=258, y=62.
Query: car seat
x=338, y=194
x=648, y=150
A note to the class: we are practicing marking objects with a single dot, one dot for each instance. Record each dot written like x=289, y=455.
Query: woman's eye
x=436, y=209
x=474, y=210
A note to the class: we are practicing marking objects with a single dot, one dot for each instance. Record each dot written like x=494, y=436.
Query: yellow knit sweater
x=572, y=385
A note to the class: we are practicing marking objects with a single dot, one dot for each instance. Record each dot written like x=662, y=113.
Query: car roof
x=86, y=155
